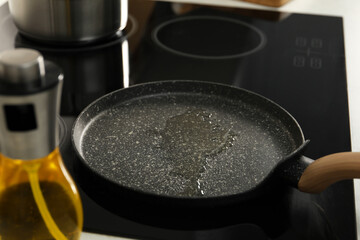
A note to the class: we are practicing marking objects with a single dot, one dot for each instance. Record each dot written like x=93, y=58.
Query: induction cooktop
x=296, y=60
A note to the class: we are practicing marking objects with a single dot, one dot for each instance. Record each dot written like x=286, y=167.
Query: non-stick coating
x=185, y=139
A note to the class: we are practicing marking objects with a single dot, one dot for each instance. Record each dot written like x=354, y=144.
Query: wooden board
x=272, y=3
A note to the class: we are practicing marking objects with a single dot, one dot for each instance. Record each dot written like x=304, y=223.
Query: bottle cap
x=22, y=66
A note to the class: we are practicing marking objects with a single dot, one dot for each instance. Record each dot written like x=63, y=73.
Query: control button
x=299, y=61
x=316, y=43
x=300, y=42
x=316, y=63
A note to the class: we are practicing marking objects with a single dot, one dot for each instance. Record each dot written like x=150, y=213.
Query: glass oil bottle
x=38, y=198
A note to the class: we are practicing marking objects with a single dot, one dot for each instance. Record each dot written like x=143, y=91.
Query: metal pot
x=69, y=21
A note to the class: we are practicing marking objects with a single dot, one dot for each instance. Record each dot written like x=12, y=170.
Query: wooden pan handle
x=329, y=169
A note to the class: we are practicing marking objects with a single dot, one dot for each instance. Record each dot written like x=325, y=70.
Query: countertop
x=349, y=10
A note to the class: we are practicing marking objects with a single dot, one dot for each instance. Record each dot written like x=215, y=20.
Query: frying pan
x=193, y=155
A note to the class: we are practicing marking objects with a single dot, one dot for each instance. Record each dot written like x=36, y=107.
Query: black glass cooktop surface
x=295, y=60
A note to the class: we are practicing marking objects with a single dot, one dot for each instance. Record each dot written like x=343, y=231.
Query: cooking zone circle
x=209, y=37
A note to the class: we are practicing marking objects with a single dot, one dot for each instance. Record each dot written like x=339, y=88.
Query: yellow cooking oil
x=38, y=200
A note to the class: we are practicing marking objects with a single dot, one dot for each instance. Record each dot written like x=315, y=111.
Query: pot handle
x=329, y=169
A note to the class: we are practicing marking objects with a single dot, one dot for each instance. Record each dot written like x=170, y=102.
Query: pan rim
x=244, y=194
